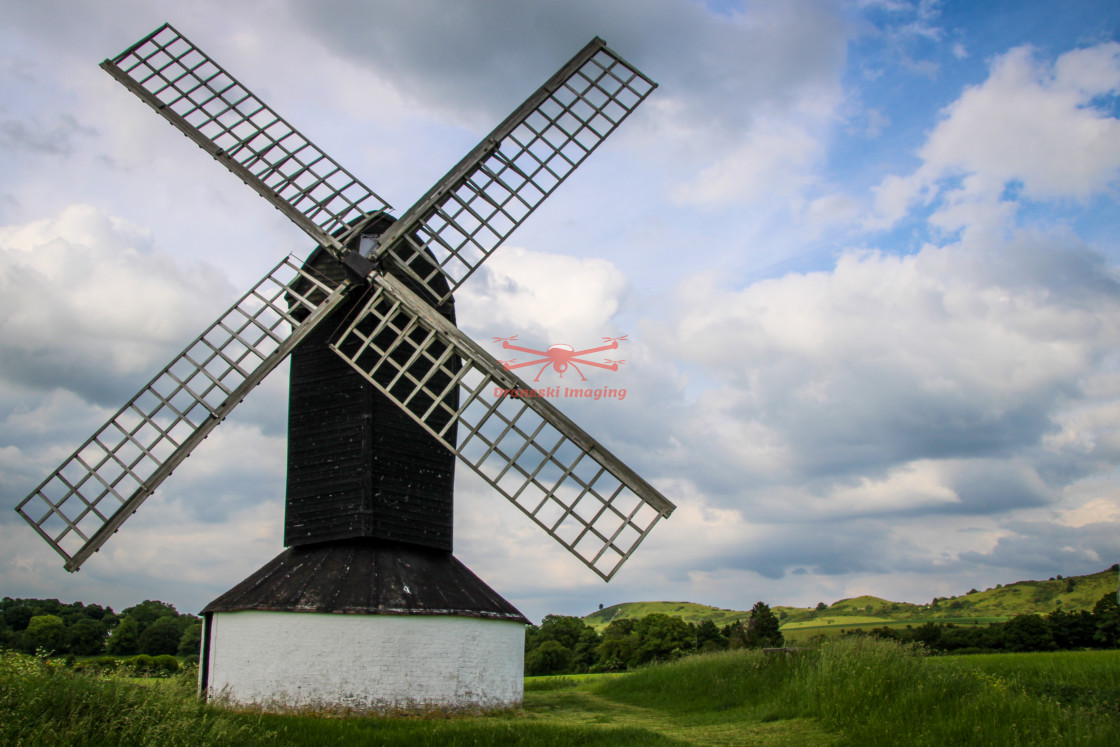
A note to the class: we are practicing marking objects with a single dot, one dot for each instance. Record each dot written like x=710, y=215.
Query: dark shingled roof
x=371, y=577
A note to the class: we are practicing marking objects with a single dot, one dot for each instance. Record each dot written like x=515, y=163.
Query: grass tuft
x=45, y=703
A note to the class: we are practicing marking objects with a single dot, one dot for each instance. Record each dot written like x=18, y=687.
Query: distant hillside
x=687, y=611
x=1002, y=602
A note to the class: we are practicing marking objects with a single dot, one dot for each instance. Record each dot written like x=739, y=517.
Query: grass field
x=1084, y=679
x=800, y=633
x=992, y=605
x=845, y=692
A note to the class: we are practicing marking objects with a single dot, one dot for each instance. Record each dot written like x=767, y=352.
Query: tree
x=532, y=633
x=86, y=637
x=821, y=606
x=735, y=634
x=620, y=628
x=190, y=645
x=586, y=650
x=1071, y=629
x=563, y=629
x=763, y=628
x=551, y=657
x=46, y=632
x=1027, y=633
x=1106, y=614
x=661, y=638
x=574, y=636
x=928, y=634
x=148, y=611
x=708, y=637
x=161, y=637
x=614, y=653
x=97, y=612
x=617, y=646
x=17, y=615
x=125, y=639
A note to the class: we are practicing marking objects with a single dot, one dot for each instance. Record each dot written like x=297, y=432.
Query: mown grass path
x=582, y=706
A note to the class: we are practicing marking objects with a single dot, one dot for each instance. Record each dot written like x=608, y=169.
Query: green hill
x=687, y=611
x=998, y=603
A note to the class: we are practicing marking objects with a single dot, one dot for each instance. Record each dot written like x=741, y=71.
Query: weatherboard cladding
x=364, y=576
x=358, y=465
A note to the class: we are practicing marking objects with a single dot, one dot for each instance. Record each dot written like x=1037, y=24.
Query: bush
x=167, y=663
x=142, y=664
x=98, y=664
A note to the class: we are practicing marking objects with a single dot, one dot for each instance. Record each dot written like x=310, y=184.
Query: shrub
x=167, y=663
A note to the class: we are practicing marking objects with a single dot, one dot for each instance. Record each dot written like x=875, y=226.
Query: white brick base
x=365, y=662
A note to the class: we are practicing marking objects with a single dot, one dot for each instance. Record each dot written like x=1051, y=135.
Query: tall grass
x=873, y=692
x=858, y=691
x=45, y=703
x=1089, y=680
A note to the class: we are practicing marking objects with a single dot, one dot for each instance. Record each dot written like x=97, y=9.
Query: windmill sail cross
x=559, y=476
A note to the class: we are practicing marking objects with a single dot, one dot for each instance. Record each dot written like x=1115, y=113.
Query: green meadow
x=997, y=604
x=848, y=691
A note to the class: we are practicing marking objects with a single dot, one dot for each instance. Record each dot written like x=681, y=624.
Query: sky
x=864, y=254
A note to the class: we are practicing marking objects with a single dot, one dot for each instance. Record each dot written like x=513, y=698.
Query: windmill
x=366, y=607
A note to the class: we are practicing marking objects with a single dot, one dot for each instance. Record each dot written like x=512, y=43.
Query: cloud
x=839, y=412
x=1035, y=125
x=33, y=136
x=768, y=53
x=537, y=294
x=895, y=421
x=1040, y=546
x=954, y=353
x=90, y=305
x=727, y=82
x=773, y=162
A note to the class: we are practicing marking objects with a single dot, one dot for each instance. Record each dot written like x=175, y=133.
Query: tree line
x=152, y=627
x=568, y=645
x=1056, y=631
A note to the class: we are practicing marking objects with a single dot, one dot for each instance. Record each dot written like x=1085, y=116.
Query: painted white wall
x=366, y=662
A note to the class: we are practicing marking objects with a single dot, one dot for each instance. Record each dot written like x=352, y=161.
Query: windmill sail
x=207, y=104
x=558, y=475
x=467, y=215
x=79, y=506
x=526, y=449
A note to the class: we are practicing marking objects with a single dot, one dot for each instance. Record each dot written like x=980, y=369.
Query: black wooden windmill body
x=385, y=391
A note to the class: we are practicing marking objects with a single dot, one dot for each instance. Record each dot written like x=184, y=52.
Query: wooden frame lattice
x=83, y=502
x=469, y=213
x=520, y=444
x=206, y=103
